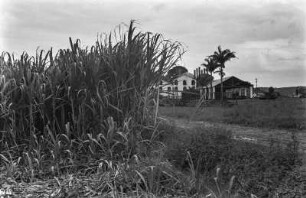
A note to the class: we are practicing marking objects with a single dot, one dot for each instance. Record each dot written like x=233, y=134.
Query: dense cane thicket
x=80, y=88
x=84, y=110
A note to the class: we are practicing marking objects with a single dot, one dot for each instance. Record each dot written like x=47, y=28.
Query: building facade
x=233, y=87
x=178, y=85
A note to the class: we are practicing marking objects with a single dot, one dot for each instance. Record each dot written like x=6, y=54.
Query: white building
x=181, y=83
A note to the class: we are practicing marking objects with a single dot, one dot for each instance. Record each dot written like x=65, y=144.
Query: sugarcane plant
x=64, y=97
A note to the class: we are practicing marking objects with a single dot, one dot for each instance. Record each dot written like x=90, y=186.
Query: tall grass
x=82, y=87
x=74, y=109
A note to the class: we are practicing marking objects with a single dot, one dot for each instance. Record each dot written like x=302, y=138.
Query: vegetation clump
x=82, y=107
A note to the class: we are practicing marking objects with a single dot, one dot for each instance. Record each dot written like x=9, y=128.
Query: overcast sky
x=267, y=36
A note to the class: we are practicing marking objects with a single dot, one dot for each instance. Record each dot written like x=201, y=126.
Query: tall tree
x=221, y=57
x=204, y=79
x=175, y=72
x=210, y=66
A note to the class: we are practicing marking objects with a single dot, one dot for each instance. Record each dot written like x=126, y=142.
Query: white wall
x=188, y=81
x=177, y=89
x=164, y=88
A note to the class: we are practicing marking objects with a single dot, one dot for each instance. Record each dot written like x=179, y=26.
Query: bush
x=190, y=94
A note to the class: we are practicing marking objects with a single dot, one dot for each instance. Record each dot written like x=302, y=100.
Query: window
x=175, y=82
x=243, y=92
x=169, y=88
x=184, y=89
x=193, y=82
x=175, y=89
x=184, y=82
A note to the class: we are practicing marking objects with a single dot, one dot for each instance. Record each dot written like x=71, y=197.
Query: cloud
x=268, y=36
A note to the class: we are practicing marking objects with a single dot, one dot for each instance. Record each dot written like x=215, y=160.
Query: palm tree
x=211, y=66
x=220, y=57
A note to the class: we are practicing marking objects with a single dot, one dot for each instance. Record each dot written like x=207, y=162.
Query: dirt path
x=252, y=134
x=246, y=133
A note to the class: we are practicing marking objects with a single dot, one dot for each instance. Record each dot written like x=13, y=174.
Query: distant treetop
x=175, y=72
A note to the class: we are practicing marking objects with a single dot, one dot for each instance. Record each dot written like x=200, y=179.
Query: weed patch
x=258, y=170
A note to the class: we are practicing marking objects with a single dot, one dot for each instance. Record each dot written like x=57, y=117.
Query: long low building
x=233, y=87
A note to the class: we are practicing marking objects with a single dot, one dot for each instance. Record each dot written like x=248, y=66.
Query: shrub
x=190, y=94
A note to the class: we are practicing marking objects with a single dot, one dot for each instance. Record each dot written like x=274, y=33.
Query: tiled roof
x=217, y=82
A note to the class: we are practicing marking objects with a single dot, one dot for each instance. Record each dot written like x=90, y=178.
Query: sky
x=268, y=36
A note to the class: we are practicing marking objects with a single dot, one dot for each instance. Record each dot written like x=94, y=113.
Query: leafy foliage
x=220, y=57
x=175, y=72
x=210, y=64
x=204, y=79
x=190, y=94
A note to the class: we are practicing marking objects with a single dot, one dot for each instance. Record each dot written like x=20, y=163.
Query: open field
x=259, y=122
x=285, y=113
x=256, y=135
